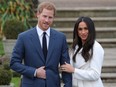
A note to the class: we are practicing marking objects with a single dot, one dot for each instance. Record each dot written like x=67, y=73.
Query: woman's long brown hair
x=86, y=53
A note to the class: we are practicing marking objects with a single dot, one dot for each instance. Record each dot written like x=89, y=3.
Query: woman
x=86, y=55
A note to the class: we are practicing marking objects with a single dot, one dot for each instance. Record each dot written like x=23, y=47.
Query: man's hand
x=41, y=73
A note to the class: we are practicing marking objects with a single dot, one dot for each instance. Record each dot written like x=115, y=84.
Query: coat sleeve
x=16, y=62
x=66, y=77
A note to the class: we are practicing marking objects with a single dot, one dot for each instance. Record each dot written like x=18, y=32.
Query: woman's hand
x=67, y=68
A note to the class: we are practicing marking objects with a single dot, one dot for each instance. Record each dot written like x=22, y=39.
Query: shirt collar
x=40, y=31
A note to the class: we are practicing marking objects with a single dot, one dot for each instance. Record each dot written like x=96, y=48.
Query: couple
x=86, y=54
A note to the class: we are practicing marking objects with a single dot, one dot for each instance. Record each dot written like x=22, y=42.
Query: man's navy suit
x=27, y=56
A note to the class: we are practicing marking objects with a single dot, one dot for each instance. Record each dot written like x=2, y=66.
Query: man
x=40, y=67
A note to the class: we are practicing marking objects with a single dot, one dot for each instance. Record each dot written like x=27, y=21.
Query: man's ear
x=37, y=14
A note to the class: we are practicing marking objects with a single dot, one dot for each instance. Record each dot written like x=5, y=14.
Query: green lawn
x=16, y=81
x=1, y=48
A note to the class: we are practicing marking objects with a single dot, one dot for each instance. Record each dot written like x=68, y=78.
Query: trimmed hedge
x=5, y=77
x=5, y=74
x=12, y=28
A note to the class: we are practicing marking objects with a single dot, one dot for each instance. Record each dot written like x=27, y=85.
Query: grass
x=1, y=48
x=16, y=81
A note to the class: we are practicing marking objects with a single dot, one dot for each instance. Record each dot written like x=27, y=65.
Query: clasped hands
x=41, y=72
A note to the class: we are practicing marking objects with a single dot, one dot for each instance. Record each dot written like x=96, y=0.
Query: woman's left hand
x=67, y=68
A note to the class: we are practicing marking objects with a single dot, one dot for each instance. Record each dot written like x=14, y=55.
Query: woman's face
x=83, y=31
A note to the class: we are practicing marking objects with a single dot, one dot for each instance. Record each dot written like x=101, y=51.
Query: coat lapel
x=36, y=43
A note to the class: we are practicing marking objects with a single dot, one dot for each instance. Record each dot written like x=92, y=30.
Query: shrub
x=5, y=77
x=5, y=74
x=6, y=66
x=12, y=28
x=15, y=74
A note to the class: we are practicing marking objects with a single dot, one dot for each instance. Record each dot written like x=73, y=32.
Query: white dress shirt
x=40, y=35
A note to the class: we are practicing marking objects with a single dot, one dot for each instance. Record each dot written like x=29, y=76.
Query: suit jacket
x=28, y=50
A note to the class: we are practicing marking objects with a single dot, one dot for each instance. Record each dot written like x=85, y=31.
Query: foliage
x=5, y=75
x=16, y=9
x=15, y=74
x=12, y=28
x=6, y=66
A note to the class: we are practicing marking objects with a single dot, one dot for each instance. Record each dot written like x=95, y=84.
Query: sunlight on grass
x=16, y=81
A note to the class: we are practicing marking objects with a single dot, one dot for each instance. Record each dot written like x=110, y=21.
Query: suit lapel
x=36, y=43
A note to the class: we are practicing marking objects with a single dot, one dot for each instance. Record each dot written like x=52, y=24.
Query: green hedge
x=12, y=28
x=5, y=77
